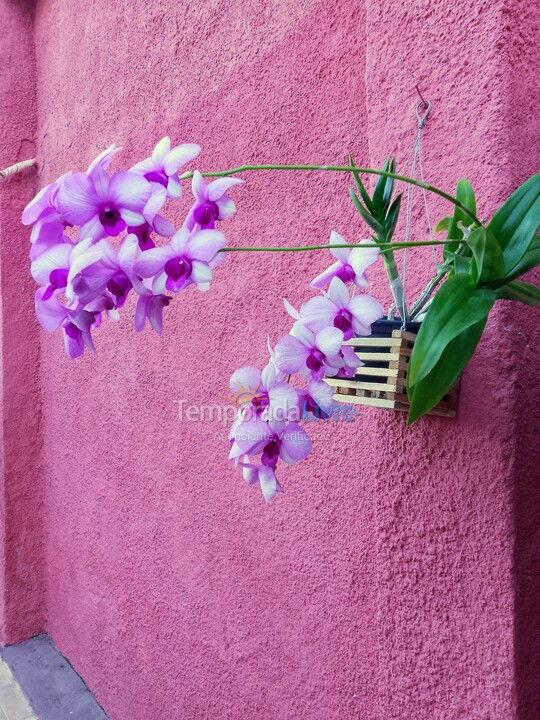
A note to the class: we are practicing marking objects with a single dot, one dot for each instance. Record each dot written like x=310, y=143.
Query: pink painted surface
x=392, y=578
x=21, y=559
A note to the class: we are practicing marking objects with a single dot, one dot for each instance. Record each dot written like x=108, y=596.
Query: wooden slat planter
x=381, y=381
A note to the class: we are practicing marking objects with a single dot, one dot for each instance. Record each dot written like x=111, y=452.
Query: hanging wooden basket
x=381, y=381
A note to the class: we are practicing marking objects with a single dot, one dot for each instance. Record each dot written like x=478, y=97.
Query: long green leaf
x=520, y=292
x=369, y=219
x=465, y=195
x=392, y=217
x=432, y=388
x=457, y=306
x=530, y=260
x=383, y=189
x=360, y=187
x=488, y=263
x=517, y=221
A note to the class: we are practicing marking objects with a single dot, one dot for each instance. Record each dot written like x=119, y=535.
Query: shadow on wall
x=527, y=541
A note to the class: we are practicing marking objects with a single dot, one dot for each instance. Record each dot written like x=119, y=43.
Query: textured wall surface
x=21, y=559
x=395, y=577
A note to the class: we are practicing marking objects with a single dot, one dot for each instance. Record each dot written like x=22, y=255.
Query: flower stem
x=385, y=247
x=342, y=168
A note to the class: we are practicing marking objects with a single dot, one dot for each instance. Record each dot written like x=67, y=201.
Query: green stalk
x=385, y=247
x=342, y=168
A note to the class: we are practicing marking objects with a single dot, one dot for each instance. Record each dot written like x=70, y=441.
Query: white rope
x=12, y=169
x=415, y=159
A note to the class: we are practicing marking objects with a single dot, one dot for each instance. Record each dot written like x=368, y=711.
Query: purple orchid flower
x=211, y=201
x=352, y=315
x=103, y=205
x=99, y=269
x=317, y=399
x=313, y=355
x=104, y=159
x=263, y=475
x=153, y=221
x=272, y=440
x=163, y=166
x=51, y=268
x=150, y=307
x=266, y=395
x=45, y=200
x=351, y=263
x=46, y=232
x=76, y=324
x=350, y=363
x=185, y=260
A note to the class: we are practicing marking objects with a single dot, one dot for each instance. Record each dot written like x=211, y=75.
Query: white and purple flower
x=313, y=355
x=352, y=315
x=211, y=201
x=163, y=165
x=351, y=264
x=185, y=260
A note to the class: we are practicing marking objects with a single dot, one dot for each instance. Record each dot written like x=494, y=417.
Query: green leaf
x=530, y=260
x=360, y=186
x=488, y=263
x=520, y=292
x=443, y=224
x=369, y=219
x=457, y=306
x=465, y=195
x=383, y=189
x=517, y=221
x=432, y=388
x=392, y=217
x=462, y=264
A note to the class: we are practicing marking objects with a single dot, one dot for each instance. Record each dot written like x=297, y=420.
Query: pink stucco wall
x=395, y=577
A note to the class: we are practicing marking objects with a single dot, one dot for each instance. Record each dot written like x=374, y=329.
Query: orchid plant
x=98, y=236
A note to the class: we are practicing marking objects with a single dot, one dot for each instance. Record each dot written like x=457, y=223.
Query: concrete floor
x=38, y=683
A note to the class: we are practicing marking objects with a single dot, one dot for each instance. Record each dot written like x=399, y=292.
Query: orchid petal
x=303, y=333
x=324, y=278
x=201, y=273
x=329, y=340
x=268, y=482
x=295, y=444
x=292, y=311
x=174, y=188
x=199, y=187
x=160, y=151
x=342, y=254
x=50, y=313
x=203, y=245
x=290, y=354
x=129, y=190
x=162, y=226
x=251, y=436
x=179, y=242
x=226, y=207
x=338, y=293
x=179, y=156
x=55, y=258
x=77, y=199
x=365, y=310
x=152, y=261
x=219, y=187
x=245, y=382
x=318, y=312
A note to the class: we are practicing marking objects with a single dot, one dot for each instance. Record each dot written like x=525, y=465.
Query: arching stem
x=342, y=168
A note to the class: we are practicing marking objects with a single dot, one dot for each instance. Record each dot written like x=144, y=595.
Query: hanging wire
x=416, y=171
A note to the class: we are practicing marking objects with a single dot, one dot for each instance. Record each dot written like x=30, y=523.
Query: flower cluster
x=84, y=277
x=267, y=427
